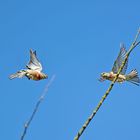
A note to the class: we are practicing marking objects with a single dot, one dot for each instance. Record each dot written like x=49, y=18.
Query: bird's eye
x=102, y=73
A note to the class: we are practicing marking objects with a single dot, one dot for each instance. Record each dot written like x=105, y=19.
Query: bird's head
x=104, y=76
x=44, y=76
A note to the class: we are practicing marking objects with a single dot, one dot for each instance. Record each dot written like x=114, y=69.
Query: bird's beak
x=46, y=76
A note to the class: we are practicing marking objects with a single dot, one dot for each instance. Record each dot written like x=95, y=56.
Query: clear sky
x=76, y=40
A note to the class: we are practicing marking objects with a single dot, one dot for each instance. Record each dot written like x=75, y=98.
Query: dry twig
x=27, y=124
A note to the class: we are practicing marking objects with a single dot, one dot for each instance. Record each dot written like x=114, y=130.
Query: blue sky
x=76, y=40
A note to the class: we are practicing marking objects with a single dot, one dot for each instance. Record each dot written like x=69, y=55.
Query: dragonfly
x=33, y=71
x=131, y=77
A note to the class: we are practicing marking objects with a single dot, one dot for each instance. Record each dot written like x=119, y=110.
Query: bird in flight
x=131, y=77
x=33, y=70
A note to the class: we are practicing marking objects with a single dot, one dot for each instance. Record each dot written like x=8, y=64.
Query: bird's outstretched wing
x=34, y=63
x=119, y=60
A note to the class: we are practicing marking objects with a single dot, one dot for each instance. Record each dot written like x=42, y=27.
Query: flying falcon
x=33, y=70
x=131, y=77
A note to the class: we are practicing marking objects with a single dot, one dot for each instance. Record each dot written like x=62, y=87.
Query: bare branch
x=43, y=95
x=137, y=35
x=134, y=44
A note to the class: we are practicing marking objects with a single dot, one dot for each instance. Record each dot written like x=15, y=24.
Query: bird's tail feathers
x=18, y=74
x=133, y=77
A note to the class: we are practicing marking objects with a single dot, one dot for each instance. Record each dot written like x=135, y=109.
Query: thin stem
x=43, y=95
x=134, y=44
x=137, y=35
